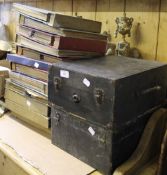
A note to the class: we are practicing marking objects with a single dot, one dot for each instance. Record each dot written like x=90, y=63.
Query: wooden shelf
x=26, y=152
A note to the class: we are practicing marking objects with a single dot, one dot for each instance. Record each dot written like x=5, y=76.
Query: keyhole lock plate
x=76, y=98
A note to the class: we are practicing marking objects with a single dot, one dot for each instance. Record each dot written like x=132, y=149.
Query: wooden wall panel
x=48, y=5
x=149, y=30
x=84, y=8
x=63, y=6
x=31, y=3
x=145, y=26
x=107, y=11
x=162, y=37
x=103, y=14
x=8, y=18
x=13, y=1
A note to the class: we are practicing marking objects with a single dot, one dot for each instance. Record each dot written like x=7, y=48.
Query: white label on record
x=86, y=82
x=64, y=74
x=28, y=103
x=36, y=65
x=91, y=130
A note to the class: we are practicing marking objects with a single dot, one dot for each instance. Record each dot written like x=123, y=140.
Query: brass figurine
x=124, y=25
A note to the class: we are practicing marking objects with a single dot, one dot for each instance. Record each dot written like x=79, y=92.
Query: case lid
x=111, y=67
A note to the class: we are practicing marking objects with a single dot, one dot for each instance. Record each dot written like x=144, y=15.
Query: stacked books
x=4, y=73
x=58, y=35
x=43, y=38
x=26, y=92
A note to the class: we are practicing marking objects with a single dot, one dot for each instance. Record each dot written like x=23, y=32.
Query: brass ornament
x=124, y=25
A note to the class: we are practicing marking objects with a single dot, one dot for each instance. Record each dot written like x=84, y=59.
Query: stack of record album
x=43, y=38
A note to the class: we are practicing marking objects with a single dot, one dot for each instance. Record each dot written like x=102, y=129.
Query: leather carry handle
x=149, y=90
x=152, y=89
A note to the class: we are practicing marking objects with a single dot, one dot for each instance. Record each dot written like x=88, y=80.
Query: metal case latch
x=57, y=83
x=99, y=96
x=57, y=118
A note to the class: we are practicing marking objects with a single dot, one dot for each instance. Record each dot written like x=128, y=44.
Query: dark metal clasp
x=57, y=83
x=57, y=118
x=99, y=96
